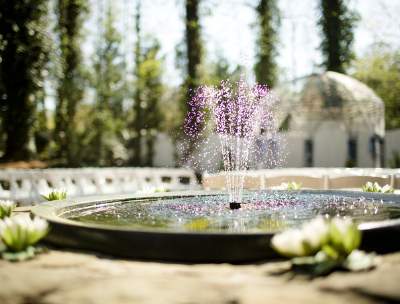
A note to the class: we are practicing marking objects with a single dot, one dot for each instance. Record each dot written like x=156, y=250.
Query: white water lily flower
x=316, y=233
x=387, y=189
x=344, y=235
x=290, y=186
x=375, y=187
x=359, y=261
x=6, y=208
x=368, y=187
x=55, y=195
x=289, y=243
x=20, y=231
x=304, y=241
x=342, y=224
x=371, y=187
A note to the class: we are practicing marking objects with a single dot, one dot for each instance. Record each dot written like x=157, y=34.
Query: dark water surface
x=263, y=212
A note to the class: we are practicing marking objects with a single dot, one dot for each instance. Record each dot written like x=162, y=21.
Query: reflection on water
x=263, y=212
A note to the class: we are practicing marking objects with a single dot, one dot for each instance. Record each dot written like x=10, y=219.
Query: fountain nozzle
x=234, y=205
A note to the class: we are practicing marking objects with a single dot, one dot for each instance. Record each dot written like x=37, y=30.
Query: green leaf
x=27, y=254
x=325, y=268
x=314, y=265
x=2, y=247
x=6, y=208
x=330, y=252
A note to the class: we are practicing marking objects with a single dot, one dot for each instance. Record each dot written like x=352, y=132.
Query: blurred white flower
x=6, y=208
x=289, y=243
x=20, y=231
x=387, y=189
x=290, y=186
x=344, y=235
x=150, y=190
x=304, y=241
x=316, y=233
x=321, y=246
x=360, y=261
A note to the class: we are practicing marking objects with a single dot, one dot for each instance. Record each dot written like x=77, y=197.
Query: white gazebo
x=337, y=120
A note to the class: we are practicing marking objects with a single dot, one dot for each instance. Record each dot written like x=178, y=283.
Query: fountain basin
x=200, y=226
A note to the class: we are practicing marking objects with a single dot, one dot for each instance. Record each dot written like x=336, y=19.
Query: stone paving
x=63, y=277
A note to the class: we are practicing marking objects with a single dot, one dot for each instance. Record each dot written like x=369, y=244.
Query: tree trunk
x=138, y=123
x=268, y=18
x=71, y=83
x=194, y=55
x=23, y=58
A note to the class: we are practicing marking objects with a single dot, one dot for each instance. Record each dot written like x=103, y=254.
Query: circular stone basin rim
x=51, y=210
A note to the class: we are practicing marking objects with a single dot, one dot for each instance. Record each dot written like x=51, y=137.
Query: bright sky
x=226, y=30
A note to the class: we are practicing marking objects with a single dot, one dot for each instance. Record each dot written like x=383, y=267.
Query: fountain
x=231, y=226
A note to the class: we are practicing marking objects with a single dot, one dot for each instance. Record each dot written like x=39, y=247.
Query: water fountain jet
x=240, y=113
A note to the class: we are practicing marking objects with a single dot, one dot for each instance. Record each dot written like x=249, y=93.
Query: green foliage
x=220, y=69
x=6, y=208
x=106, y=118
x=337, y=24
x=321, y=264
x=108, y=78
x=394, y=162
x=269, y=22
x=24, y=52
x=138, y=125
x=55, y=195
x=27, y=254
x=380, y=70
x=152, y=89
x=71, y=80
x=149, y=89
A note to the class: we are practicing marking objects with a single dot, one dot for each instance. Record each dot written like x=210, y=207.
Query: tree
x=194, y=47
x=23, y=56
x=219, y=70
x=193, y=53
x=152, y=89
x=148, y=93
x=71, y=81
x=109, y=85
x=269, y=21
x=380, y=70
x=337, y=23
x=138, y=126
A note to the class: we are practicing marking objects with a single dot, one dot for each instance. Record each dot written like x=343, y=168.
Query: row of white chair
x=27, y=186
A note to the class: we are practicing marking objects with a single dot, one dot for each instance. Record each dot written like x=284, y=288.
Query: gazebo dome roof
x=333, y=96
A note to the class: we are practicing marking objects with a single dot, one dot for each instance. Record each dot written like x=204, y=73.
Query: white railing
x=312, y=178
x=27, y=186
